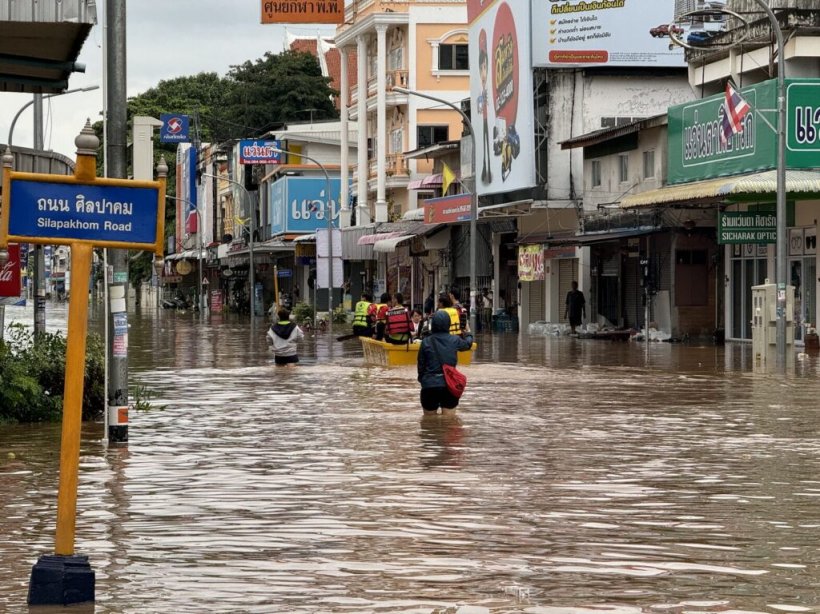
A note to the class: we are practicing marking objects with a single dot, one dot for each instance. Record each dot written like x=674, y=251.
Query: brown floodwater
x=579, y=476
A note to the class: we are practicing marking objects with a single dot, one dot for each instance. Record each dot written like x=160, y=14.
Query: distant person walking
x=438, y=348
x=283, y=337
x=576, y=308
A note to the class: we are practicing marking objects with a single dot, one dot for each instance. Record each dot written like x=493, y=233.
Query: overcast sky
x=164, y=40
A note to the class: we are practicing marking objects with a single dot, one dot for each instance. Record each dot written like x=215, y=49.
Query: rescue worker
x=445, y=304
x=362, y=324
x=463, y=315
x=398, y=325
x=378, y=312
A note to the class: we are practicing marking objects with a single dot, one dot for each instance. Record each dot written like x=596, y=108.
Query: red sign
x=454, y=208
x=10, y=273
x=216, y=301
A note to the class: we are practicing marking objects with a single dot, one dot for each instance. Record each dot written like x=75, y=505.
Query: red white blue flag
x=735, y=109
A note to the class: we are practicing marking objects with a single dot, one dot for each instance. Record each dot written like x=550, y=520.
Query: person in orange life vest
x=362, y=324
x=398, y=325
x=379, y=314
x=445, y=304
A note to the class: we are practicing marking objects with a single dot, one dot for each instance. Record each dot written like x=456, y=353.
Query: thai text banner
x=531, y=263
x=604, y=33
x=310, y=11
x=747, y=227
x=69, y=212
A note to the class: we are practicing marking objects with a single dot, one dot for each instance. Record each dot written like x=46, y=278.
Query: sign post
x=83, y=212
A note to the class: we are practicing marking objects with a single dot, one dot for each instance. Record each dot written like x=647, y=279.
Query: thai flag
x=735, y=109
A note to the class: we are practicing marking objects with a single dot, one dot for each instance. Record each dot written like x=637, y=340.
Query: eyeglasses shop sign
x=747, y=227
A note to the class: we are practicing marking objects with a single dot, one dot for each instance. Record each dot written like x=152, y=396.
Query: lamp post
x=251, y=272
x=781, y=255
x=473, y=199
x=39, y=290
x=329, y=214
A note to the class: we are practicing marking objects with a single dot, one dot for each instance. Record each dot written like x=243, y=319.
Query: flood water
x=579, y=476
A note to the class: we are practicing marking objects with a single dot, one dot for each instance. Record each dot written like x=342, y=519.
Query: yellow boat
x=389, y=355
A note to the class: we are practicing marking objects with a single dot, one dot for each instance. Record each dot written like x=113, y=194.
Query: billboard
x=603, y=33
x=298, y=204
x=455, y=208
x=10, y=280
x=175, y=128
x=501, y=97
x=530, y=263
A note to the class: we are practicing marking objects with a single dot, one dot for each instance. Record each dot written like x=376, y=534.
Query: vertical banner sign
x=10, y=284
x=322, y=258
x=531, y=263
x=501, y=95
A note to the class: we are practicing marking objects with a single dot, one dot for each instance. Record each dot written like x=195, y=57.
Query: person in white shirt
x=283, y=336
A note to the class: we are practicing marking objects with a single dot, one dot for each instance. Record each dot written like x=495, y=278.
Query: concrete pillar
x=362, y=209
x=344, y=162
x=381, y=122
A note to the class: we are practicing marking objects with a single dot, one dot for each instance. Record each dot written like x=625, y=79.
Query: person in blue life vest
x=439, y=348
x=283, y=335
x=397, y=322
x=362, y=322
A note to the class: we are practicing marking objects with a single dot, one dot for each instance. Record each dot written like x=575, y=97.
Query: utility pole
x=39, y=287
x=116, y=152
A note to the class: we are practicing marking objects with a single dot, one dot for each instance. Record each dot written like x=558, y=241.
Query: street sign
x=174, y=128
x=57, y=210
x=284, y=273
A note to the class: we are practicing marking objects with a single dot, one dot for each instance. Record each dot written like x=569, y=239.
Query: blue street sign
x=284, y=273
x=79, y=212
x=259, y=152
x=175, y=128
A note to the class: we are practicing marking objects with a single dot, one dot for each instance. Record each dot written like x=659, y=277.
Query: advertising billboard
x=604, y=33
x=455, y=208
x=259, y=152
x=531, y=263
x=298, y=204
x=501, y=97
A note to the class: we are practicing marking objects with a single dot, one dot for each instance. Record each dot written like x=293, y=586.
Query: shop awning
x=311, y=238
x=600, y=237
x=188, y=254
x=388, y=246
x=806, y=183
x=374, y=238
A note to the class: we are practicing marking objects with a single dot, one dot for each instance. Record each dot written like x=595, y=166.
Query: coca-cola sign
x=10, y=272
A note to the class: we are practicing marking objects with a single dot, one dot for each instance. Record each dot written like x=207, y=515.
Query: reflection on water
x=578, y=476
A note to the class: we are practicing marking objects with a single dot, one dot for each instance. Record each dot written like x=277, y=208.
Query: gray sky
x=164, y=40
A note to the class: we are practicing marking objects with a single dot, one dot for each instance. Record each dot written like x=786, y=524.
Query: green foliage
x=32, y=376
x=140, y=267
x=142, y=396
x=302, y=312
x=340, y=315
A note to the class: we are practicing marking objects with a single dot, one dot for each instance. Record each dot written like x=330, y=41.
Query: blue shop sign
x=259, y=152
x=175, y=128
x=75, y=212
x=299, y=204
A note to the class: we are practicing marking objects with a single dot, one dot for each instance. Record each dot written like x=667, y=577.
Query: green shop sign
x=747, y=227
x=696, y=151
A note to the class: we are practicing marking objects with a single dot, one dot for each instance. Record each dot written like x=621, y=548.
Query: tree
x=279, y=88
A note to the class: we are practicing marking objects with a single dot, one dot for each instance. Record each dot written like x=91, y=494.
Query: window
x=649, y=164
x=623, y=168
x=395, y=60
x=453, y=57
x=691, y=277
x=430, y=135
x=596, y=173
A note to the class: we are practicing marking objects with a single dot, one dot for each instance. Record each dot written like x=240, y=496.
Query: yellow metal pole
x=81, y=254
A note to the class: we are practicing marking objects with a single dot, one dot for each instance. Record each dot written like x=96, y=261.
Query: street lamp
x=473, y=199
x=90, y=88
x=39, y=263
x=251, y=272
x=329, y=232
x=781, y=255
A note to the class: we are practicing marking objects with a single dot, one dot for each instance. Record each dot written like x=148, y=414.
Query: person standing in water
x=283, y=337
x=436, y=349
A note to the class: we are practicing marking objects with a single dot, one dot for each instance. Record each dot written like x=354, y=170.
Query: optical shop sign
x=747, y=227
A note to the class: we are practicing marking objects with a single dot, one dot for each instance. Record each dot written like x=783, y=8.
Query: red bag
x=456, y=381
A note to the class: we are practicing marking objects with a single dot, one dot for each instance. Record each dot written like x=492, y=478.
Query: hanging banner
x=10, y=285
x=531, y=263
